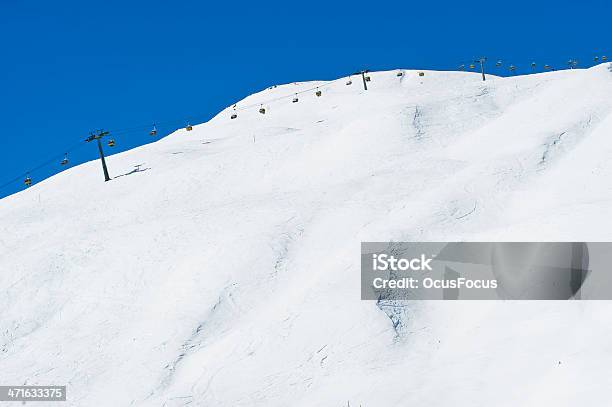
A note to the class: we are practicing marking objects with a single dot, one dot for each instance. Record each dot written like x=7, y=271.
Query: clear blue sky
x=69, y=67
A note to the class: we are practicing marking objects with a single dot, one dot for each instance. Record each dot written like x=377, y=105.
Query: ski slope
x=226, y=271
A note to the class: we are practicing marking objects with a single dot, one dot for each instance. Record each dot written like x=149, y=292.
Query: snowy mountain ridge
x=225, y=272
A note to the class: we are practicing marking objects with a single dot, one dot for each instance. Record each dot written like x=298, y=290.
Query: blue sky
x=69, y=67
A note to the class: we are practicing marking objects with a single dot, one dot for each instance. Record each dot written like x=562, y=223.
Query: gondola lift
x=498, y=63
x=318, y=92
x=472, y=66
x=64, y=160
x=262, y=110
x=153, y=131
x=27, y=181
x=604, y=58
x=189, y=127
x=367, y=78
x=111, y=143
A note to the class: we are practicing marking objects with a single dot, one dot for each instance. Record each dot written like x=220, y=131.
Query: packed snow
x=225, y=271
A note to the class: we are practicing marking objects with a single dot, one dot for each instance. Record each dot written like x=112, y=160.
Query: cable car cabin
x=262, y=110
x=233, y=116
x=421, y=73
x=153, y=132
x=111, y=143
x=400, y=74
x=318, y=93
x=604, y=58
x=27, y=181
x=189, y=127
x=472, y=66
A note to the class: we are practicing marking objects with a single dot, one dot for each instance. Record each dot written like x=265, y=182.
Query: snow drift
x=226, y=271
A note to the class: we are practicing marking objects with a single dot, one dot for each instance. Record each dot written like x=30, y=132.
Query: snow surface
x=226, y=271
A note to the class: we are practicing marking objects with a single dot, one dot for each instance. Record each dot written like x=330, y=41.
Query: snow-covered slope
x=226, y=271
